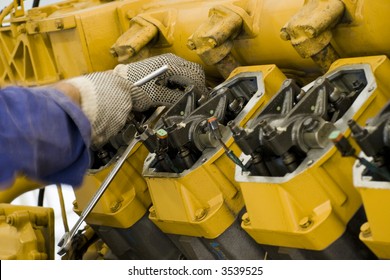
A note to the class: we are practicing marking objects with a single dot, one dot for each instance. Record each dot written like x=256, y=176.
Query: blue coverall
x=43, y=135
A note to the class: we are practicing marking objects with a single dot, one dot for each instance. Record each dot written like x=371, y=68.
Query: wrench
x=65, y=241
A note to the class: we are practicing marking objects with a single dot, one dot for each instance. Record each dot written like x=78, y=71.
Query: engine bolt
x=365, y=230
x=200, y=214
x=10, y=220
x=191, y=45
x=246, y=220
x=305, y=222
x=115, y=206
x=212, y=42
x=152, y=212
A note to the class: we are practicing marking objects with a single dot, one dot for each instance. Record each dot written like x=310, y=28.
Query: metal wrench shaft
x=152, y=75
x=65, y=241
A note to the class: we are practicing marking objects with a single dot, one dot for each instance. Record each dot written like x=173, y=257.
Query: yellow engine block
x=205, y=200
x=310, y=207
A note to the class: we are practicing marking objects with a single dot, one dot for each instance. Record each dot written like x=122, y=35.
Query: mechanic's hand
x=108, y=97
x=158, y=91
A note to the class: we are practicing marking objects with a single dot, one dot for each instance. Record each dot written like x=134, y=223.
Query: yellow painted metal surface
x=75, y=37
x=375, y=195
x=19, y=187
x=26, y=233
x=310, y=30
x=311, y=209
x=362, y=30
x=376, y=232
x=127, y=198
x=205, y=201
x=59, y=41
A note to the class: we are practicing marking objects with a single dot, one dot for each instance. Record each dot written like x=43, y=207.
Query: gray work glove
x=108, y=97
x=156, y=92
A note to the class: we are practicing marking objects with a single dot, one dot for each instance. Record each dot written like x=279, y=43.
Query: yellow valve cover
x=310, y=207
x=204, y=200
x=127, y=198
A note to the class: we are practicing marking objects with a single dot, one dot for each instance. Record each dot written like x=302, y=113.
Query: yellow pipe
x=79, y=41
x=19, y=187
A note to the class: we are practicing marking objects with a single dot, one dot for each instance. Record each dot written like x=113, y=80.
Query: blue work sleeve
x=43, y=135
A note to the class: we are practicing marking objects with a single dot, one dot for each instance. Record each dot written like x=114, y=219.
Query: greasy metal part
x=226, y=65
x=140, y=33
x=310, y=33
x=213, y=40
x=217, y=33
x=373, y=139
x=27, y=233
x=310, y=207
x=143, y=240
x=189, y=128
x=325, y=57
x=81, y=243
x=203, y=200
x=234, y=244
x=146, y=30
x=281, y=105
x=288, y=128
x=346, y=247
